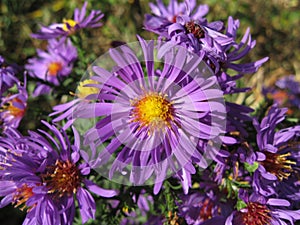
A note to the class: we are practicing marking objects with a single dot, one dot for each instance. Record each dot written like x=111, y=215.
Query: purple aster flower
x=259, y=210
x=156, y=118
x=218, y=47
x=188, y=29
x=204, y=39
x=13, y=107
x=276, y=157
x=70, y=26
x=164, y=16
x=204, y=208
x=287, y=164
x=55, y=64
x=7, y=76
x=42, y=173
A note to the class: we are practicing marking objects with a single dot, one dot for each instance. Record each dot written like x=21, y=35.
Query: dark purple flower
x=204, y=208
x=259, y=210
x=202, y=38
x=164, y=16
x=43, y=174
x=156, y=120
x=13, y=107
x=70, y=26
x=276, y=157
x=55, y=64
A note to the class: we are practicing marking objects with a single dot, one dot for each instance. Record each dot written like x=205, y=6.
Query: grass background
x=274, y=24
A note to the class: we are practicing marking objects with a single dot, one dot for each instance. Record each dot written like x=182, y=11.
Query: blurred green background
x=274, y=24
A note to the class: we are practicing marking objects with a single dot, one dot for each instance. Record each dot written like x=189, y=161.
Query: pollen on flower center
x=21, y=196
x=54, y=68
x=278, y=164
x=13, y=110
x=68, y=25
x=63, y=178
x=206, y=209
x=153, y=111
x=255, y=214
x=195, y=29
x=84, y=91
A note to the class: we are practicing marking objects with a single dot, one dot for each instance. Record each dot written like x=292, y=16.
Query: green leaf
x=251, y=168
x=240, y=204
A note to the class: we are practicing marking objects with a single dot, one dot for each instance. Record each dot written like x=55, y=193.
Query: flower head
x=202, y=208
x=259, y=210
x=52, y=66
x=164, y=16
x=276, y=157
x=154, y=118
x=70, y=26
x=43, y=174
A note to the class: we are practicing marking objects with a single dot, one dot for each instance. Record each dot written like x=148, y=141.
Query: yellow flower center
x=68, y=25
x=83, y=91
x=63, y=178
x=54, y=68
x=153, y=111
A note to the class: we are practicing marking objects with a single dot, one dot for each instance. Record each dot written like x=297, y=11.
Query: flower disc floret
x=63, y=178
x=255, y=214
x=153, y=110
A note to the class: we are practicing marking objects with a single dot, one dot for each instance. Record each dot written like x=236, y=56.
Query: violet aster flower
x=155, y=115
x=70, y=26
x=187, y=28
x=7, y=76
x=277, y=161
x=202, y=38
x=287, y=164
x=55, y=64
x=13, y=107
x=43, y=174
x=204, y=208
x=164, y=16
x=260, y=210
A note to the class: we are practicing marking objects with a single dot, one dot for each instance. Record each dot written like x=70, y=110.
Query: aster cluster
x=151, y=133
x=13, y=95
x=53, y=65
